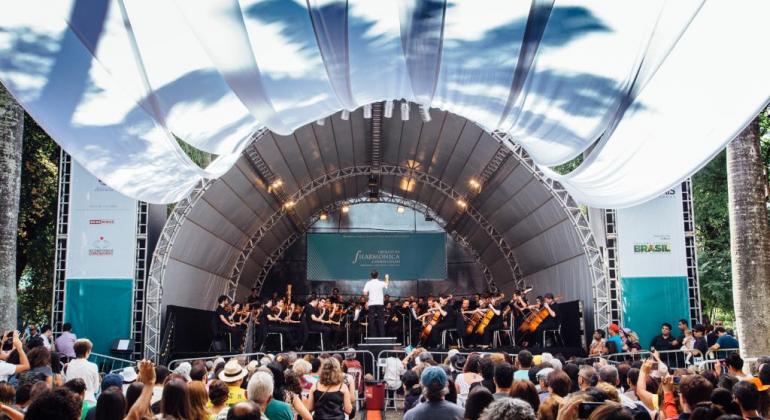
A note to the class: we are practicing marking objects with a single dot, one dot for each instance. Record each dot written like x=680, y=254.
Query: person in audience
x=434, y=382
x=199, y=372
x=693, y=390
x=525, y=390
x=412, y=390
x=587, y=377
x=503, y=379
x=469, y=376
x=747, y=396
x=523, y=365
x=175, y=402
x=78, y=387
x=330, y=397
x=245, y=410
x=611, y=411
x=233, y=375
x=293, y=395
x=597, y=346
x=724, y=340
x=609, y=375
x=723, y=398
x=542, y=382
x=161, y=374
x=734, y=365
x=700, y=344
x=198, y=400
x=260, y=390
x=632, y=377
x=572, y=370
x=683, y=325
x=487, y=371
x=110, y=405
x=508, y=409
x=630, y=340
x=712, y=336
x=129, y=377
x=218, y=394
x=478, y=400
x=65, y=342
x=58, y=404
x=9, y=369
x=664, y=341
x=81, y=368
x=133, y=392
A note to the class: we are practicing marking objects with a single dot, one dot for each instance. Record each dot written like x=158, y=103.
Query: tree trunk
x=11, y=131
x=749, y=241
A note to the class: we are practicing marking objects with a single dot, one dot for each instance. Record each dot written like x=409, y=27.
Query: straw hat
x=232, y=372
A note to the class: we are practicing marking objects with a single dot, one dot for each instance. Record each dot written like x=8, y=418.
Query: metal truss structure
x=60, y=254
x=277, y=254
x=365, y=171
x=575, y=214
x=154, y=286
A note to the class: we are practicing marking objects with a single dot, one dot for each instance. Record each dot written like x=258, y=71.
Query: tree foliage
x=37, y=223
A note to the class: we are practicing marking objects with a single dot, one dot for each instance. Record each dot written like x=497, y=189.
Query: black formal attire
x=220, y=330
x=550, y=323
x=285, y=330
x=449, y=321
x=661, y=343
x=315, y=326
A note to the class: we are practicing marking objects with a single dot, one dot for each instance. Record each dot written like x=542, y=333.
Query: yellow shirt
x=235, y=395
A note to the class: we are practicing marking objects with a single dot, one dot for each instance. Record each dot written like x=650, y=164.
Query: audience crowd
x=38, y=383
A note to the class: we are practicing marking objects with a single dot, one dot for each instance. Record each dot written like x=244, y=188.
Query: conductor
x=373, y=290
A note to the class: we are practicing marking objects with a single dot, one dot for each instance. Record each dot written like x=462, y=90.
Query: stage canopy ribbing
x=654, y=88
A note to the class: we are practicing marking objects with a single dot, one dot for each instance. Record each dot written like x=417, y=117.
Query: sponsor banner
x=653, y=265
x=651, y=238
x=352, y=256
x=101, y=231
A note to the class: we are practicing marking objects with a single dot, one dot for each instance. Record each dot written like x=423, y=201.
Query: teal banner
x=650, y=301
x=99, y=310
x=352, y=256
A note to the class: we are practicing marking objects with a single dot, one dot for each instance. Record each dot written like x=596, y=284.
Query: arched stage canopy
x=522, y=227
x=656, y=87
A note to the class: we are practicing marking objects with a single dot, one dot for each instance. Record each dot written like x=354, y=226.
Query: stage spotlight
x=405, y=111
x=388, y=109
x=425, y=113
x=368, y=111
x=323, y=216
x=476, y=185
x=345, y=115
x=322, y=121
x=288, y=205
x=400, y=209
x=462, y=203
x=275, y=185
x=345, y=208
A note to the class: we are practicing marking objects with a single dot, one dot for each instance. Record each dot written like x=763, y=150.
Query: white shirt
x=6, y=370
x=374, y=289
x=46, y=342
x=88, y=372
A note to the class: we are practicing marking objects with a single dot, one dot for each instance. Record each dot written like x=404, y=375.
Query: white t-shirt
x=374, y=288
x=6, y=370
x=88, y=372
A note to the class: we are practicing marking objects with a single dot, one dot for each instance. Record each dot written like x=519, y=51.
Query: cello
x=534, y=319
x=429, y=326
x=487, y=318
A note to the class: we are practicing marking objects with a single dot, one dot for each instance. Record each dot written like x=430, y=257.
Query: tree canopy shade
x=653, y=85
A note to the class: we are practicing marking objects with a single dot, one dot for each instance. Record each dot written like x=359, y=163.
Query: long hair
x=111, y=404
x=478, y=399
x=176, y=399
x=331, y=373
x=198, y=399
x=525, y=390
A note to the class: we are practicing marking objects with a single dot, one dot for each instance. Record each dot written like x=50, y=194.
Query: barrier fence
x=109, y=364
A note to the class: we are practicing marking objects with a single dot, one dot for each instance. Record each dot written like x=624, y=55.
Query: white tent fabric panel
x=189, y=286
x=542, y=250
x=569, y=280
x=117, y=82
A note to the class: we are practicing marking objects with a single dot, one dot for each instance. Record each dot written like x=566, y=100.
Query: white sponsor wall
x=651, y=238
x=102, y=230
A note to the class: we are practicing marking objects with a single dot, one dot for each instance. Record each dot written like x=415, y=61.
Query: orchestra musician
x=447, y=319
x=315, y=317
x=279, y=322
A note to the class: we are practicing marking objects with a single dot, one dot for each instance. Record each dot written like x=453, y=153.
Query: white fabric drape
x=657, y=86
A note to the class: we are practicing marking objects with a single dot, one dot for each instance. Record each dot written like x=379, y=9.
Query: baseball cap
x=433, y=377
x=112, y=379
x=614, y=328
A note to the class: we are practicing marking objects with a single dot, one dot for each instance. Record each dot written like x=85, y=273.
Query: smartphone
x=586, y=408
x=677, y=380
x=655, y=366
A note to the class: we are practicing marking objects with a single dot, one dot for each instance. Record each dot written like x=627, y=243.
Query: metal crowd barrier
x=109, y=364
x=246, y=356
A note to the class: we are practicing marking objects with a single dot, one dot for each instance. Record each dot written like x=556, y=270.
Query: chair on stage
x=454, y=335
x=273, y=333
x=497, y=335
x=555, y=335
